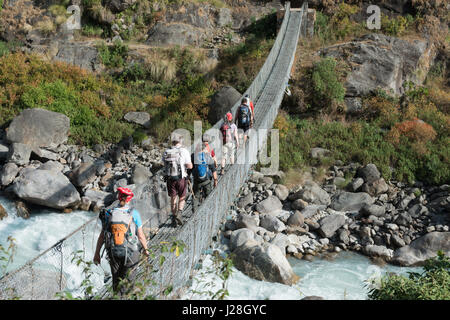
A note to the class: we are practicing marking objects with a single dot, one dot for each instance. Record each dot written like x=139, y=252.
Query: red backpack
x=226, y=133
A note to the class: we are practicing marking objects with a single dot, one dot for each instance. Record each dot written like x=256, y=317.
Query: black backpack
x=244, y=115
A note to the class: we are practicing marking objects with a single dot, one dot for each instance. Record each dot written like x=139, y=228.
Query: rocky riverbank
x=387, y=221
x=41, y=168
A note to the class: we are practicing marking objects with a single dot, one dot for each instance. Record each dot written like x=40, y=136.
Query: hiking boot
x=176, y=220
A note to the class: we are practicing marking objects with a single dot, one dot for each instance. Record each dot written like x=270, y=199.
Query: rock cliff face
x=382, y=62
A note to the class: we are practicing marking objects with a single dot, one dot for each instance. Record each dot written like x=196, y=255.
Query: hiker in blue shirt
x=204, y=173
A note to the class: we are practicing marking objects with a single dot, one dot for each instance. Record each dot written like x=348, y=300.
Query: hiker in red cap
x=121, y=234
x=230, y=140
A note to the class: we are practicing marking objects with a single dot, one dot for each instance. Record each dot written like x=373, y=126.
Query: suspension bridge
x=32, y=281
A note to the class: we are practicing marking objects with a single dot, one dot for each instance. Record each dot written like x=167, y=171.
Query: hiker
x=230, y=140
x=204, y=172
x=176, y=161
x=206, y=139
x=244, y=117
x=250, y=102
x=121, y=234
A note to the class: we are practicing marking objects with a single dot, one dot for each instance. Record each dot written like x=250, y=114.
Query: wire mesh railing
x=50, y=272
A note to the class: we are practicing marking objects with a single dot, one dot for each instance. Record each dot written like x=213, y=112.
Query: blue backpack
x=201, y=168
x=244, y=115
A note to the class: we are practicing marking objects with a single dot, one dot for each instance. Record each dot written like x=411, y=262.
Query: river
x=342, y=278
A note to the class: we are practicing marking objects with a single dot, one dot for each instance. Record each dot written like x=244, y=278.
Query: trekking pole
x=193, y=196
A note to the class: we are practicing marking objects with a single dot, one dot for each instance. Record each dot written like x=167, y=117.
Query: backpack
x=201, y=168
x=226, y=133
x=120, y=234
x=173, y=163
x=244, y=115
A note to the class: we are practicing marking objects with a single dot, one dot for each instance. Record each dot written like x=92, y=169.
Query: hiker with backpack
x=250, y=103
x=177, y=160
x=122, y=236
x=204, y=173
x=206, y=139
x=244, y=117
x=230, y=140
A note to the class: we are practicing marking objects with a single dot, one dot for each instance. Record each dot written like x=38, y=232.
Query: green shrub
x=432, y=284
x=113, y=56
x=326, y=85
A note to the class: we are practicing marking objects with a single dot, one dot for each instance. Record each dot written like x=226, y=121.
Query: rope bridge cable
x=45, y=275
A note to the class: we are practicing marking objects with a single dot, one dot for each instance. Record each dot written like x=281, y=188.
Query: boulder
x=245, y=200
x=376, y=187
x=39, y=128
x=140, y=174
x=378, y=251
x=266, y=263
x=356, y=184
x=100, y=198
x=222, y=102
x=422, y=248
x=369, y=173
x=296, y=219
x=271, y=205
x=271, y=223
x=384, y=62
x=281, y=191
x=373, y=209
x=330, y=224
x=83, y=55
x=9, y=172
x=22, y=210
x=142, y=118
x=348, y=201
x=19, y=153
x=312, y=209
x=246, y=221
x=85, y=173
x=47, y=188
x=182, y=34
x=282, y=241
x=239, y=237
x=314, y=194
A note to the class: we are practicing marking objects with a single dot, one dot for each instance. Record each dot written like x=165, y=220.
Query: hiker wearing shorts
x=121, y=234
x=177, y=160
x=230, y=141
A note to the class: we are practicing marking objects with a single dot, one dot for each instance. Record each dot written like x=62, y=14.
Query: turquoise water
x=342, y=278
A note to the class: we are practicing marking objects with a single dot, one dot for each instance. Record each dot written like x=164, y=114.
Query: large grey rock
x=239, y=237
x=348, y=201
x=19, y=153
x=140, y=174
x=222, y=102
x=369, y=173
x=142, y=118
x=245, y=200
x=47, y=188
x=330, y=224
x=83, y=174
x=383, y=62
x=282, y=241
x=271, y=223
x=296, y=219
x=314, y=194
x=83, y=55
x=378, y=251
x=312, y=209
x=101, y=198
x=423, y=248
x=376, y=187
x=165, y=34
x=373, y=209
x=8, y=173
x=266, y=263
x=246, y=221
x=39, y=128
x=271, y=205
